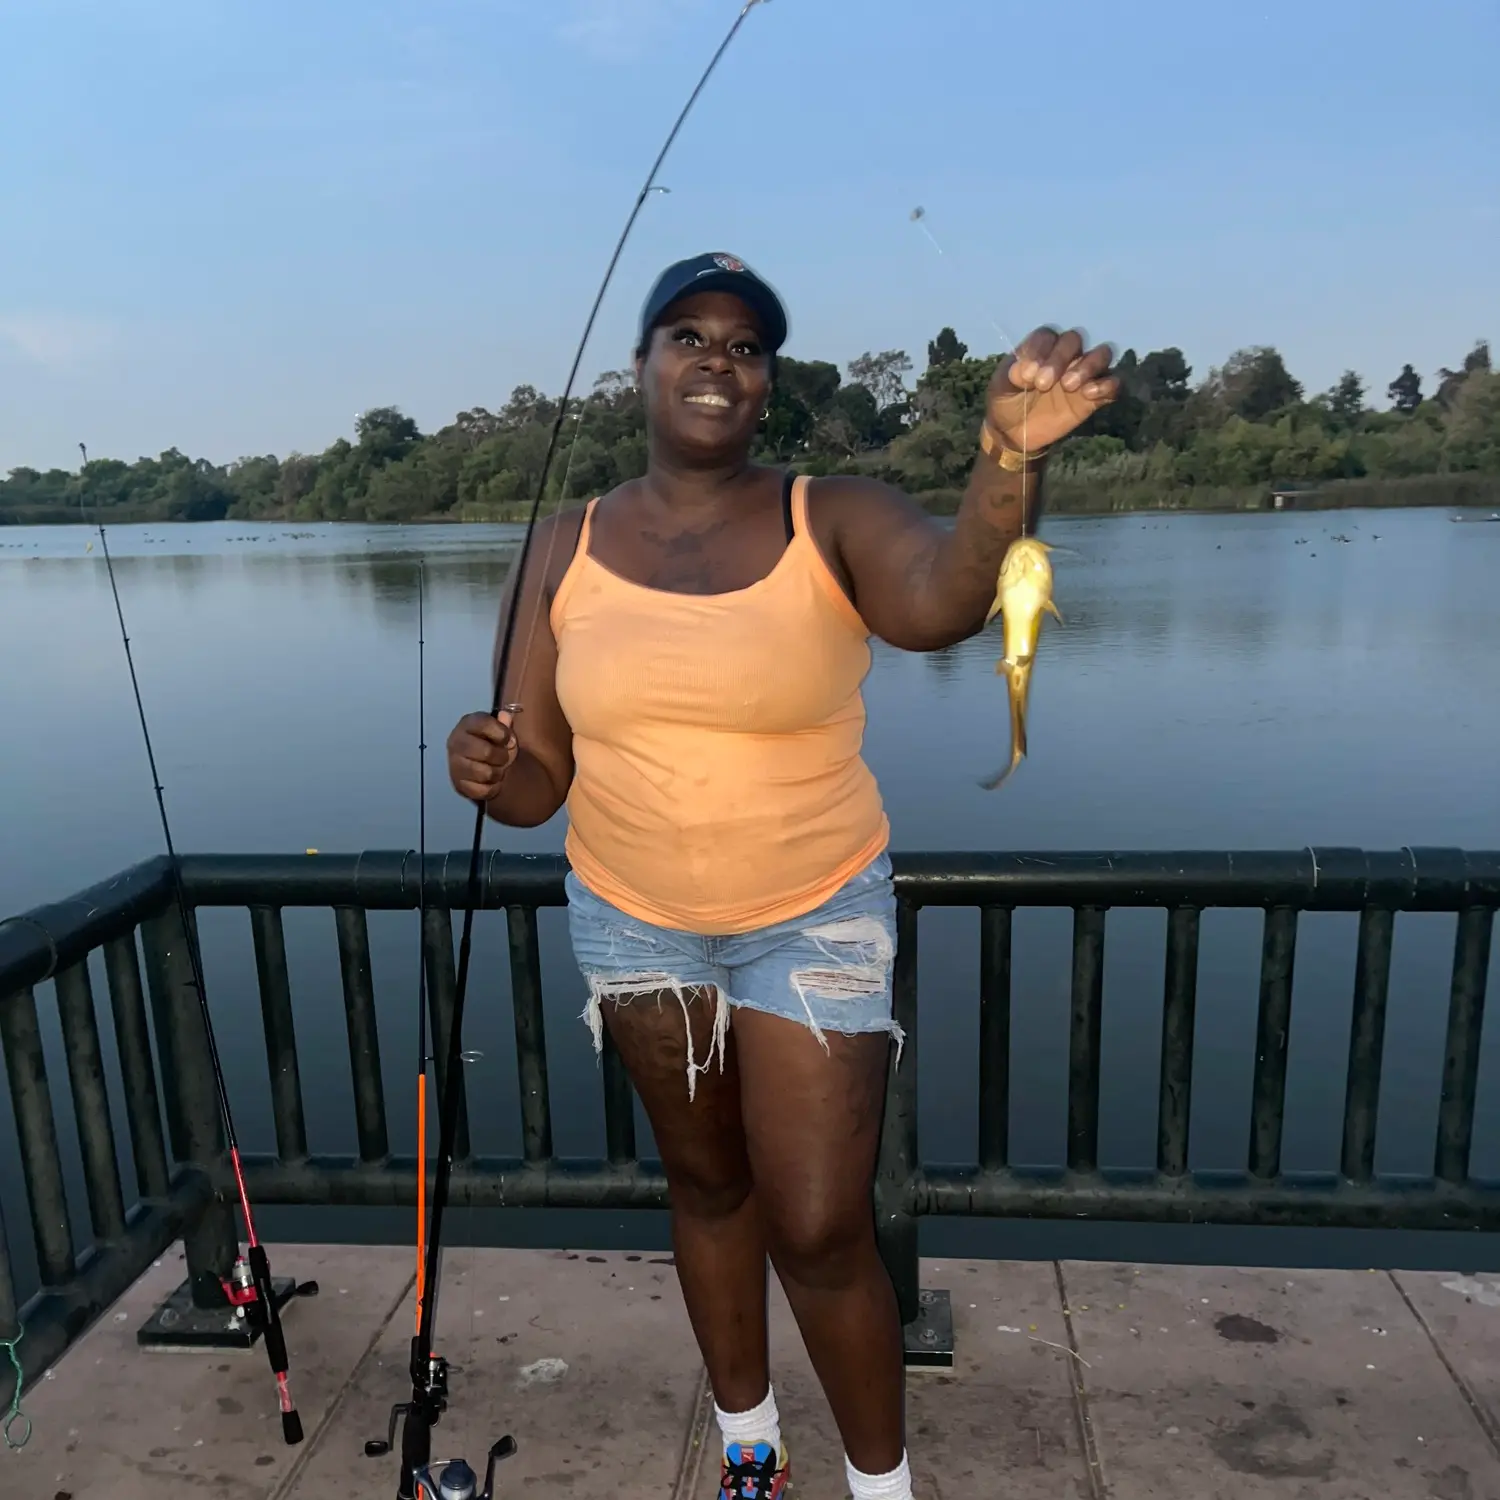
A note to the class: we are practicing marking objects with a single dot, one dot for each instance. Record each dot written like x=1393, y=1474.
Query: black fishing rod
x=248, y=1288
x=453, y=1479
x=423, y=1057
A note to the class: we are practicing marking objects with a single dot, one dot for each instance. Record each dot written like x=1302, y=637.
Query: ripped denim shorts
x=829, y=970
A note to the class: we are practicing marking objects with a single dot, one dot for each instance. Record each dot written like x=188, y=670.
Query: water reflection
x=1219, y=682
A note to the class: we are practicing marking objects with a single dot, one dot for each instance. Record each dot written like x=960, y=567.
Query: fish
x=1022, y=596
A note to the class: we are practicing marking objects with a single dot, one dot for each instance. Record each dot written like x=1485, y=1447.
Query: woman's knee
x=821, y=1244
x=704, y=1191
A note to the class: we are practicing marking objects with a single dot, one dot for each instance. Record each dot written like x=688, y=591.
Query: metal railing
x=180, y=1175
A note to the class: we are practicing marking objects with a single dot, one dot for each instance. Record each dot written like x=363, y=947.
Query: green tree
x=1252, y=384
x=945, y=348
x=1405, y=391
x=1245, y=426
x=1346, y=401
x=883, y=375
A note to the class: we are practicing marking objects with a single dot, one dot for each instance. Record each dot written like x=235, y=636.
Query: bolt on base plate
x=929, y=1338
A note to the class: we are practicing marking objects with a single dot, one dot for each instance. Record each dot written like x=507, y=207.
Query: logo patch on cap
x=729, y=263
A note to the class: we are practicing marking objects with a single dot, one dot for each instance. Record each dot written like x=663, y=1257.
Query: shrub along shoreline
x=1238, y=439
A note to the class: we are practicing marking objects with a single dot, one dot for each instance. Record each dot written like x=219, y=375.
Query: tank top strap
x=585, y=528
x=799, y=507
x=816, y=563
x=576, y=564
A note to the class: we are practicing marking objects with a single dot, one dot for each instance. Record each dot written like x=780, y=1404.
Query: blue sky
x=230, y=225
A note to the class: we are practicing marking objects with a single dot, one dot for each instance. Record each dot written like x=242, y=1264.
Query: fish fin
x=993, y=610
x=1053, y=610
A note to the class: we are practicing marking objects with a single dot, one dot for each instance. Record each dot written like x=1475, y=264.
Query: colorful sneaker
x=753, y=1473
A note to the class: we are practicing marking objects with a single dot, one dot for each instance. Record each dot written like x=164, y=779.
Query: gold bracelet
x=1012, y=460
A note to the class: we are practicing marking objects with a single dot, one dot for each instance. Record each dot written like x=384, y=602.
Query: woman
x=690, y=687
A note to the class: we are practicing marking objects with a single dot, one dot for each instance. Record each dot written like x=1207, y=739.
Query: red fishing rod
x=453, y=1479
x=248, y=1287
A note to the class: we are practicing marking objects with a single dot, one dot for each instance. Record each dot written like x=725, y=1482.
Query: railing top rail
x=1312, y=879
x=34, y=945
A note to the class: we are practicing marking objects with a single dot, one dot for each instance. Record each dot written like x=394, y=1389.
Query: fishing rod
x=422, y=1054
x=248, y=1288
x=453, y=1479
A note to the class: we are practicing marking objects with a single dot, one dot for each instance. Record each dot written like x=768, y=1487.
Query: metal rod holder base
x=178, y=1324
x=929, y=1337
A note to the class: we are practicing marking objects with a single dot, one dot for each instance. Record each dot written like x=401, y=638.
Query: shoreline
x=1067, y=496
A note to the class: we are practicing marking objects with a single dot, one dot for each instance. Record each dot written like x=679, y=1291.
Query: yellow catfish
x=1023, y=595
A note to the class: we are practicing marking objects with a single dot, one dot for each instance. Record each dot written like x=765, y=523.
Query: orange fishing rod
x=422, y=1058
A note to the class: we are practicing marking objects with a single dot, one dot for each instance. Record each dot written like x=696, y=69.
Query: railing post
x=1272, y=1037
x=926, y=1316
x=363, y=1032
x=1471, y=965
x=36, y=1133
x=192, y=1101
x=994, y=1035
x=1179, y=1005
x=279, y=1026
x=1085, y=1025
x=137, y=1067
x=1372, y=980
x=96, y=1131
x=442, y=998
x=531, y=1033
x=10, y=1316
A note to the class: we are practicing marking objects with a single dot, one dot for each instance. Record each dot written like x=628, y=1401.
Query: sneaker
x=753, y=1473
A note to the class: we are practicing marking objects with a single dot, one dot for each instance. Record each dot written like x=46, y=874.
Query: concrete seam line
x=305, y=1457
x=1087, y=1439
x=695, y=1444
x=1471, y=1400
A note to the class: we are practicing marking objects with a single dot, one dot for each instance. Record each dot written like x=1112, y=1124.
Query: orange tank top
x=719, y=785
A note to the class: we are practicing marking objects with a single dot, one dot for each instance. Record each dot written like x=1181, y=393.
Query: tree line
x=1246, y=426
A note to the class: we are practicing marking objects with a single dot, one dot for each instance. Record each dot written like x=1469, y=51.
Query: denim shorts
x=829, y=970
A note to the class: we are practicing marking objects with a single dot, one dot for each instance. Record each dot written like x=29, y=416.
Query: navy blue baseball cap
x=715, y=272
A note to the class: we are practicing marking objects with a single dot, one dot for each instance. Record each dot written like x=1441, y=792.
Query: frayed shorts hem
x=829, y=971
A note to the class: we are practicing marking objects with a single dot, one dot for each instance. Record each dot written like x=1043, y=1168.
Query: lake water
x=1244, y=681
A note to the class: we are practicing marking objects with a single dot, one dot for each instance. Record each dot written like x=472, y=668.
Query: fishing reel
x=421, y=1477
x=249, y=1291
x=433, y=1377
x=249, y=1300
x=453, y=1479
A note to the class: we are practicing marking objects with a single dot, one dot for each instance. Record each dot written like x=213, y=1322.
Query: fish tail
x=1018, y=679
x=991, y=782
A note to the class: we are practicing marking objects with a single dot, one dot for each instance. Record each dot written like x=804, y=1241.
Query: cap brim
x=758, y=298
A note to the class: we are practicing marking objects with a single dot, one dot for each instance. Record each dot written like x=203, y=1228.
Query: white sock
x=761, y=1424
x=893, y=1486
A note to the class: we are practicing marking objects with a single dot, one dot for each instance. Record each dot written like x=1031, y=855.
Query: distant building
x=1289, y=496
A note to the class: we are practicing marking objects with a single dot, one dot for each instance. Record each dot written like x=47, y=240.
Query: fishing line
x=918, y=217
x=562, y=501
x=429, y=1373
x=1016, y=689
x=248, y=1287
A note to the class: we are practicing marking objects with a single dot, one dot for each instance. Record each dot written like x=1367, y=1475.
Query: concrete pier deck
x=1071, y=1380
